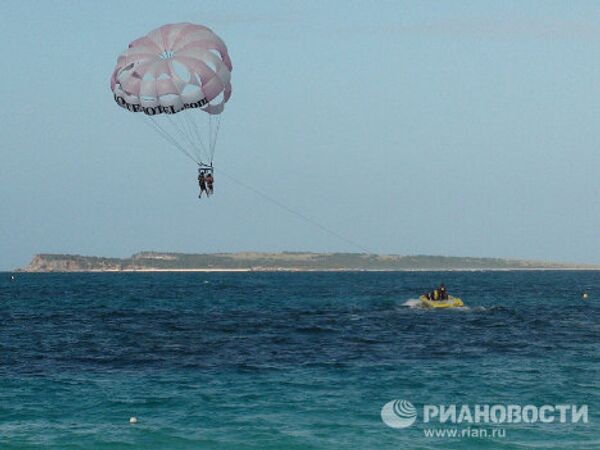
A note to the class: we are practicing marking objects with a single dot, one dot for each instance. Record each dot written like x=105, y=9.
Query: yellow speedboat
x=452, y=302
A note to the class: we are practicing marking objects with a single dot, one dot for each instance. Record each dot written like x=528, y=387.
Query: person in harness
x=210, y=183
x=202, y=183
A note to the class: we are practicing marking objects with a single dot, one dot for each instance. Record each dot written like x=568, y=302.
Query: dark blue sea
x=293, y=360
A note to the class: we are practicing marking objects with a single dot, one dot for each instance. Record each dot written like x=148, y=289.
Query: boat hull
x=452, y=302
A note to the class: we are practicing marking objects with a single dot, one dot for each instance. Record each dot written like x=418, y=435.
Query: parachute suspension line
x=183, y=134
x=215, y=136
x=294, y=212
x=162, y=132
x=194, y=128
x=193, y=131
x=188, y=132
x=210, y=132
x=167, y=137
x=198, y=146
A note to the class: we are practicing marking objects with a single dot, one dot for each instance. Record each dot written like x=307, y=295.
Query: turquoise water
x=290, y=360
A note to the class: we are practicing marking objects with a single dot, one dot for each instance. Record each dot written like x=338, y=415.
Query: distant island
x=285, y=261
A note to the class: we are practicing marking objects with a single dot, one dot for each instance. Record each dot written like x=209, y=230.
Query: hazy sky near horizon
x=449, y=128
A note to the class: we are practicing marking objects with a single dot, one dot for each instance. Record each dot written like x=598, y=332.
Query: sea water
x=291, y=360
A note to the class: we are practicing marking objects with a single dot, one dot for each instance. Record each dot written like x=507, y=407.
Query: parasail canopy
x=173, y=75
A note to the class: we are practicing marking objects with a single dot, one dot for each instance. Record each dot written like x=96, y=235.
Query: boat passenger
x=443, y=292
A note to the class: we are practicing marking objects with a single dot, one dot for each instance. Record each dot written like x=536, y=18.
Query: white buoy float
x=133, y=420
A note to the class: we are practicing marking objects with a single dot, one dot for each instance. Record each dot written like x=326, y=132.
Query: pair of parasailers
x=206, y=182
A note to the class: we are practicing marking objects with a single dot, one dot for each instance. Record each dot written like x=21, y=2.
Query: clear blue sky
x=423, y=127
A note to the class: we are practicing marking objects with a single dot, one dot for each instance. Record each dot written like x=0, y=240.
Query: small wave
x=415, y=303
x=482, y=308
x=412, y=303
x=493, y=309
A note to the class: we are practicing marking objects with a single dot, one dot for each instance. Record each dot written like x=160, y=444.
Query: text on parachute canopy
x=153, y=110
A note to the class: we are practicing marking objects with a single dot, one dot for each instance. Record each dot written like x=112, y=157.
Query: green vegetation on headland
x=292, y=261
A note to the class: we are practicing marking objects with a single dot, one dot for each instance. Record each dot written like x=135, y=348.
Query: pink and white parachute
x=173, y=75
